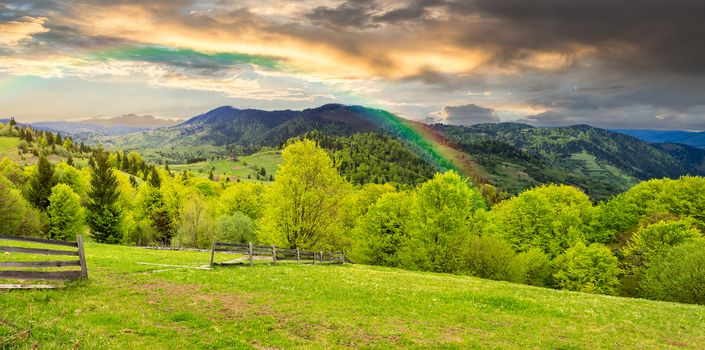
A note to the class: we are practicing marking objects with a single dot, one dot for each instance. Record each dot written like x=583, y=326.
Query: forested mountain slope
x=510, y=156
x=599, y=161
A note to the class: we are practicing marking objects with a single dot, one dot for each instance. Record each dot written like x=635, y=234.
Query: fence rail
x=66, y=275
x=252, y=251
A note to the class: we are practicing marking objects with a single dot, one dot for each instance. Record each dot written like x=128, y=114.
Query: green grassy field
x=8, y=146
x=241, y=168
x=126, y=305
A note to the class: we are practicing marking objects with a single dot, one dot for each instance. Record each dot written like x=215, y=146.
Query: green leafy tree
x=551, y=218
x=304, y=201
x=196, y=224
x=656, y=239
x=104, y=213
x=589, y=269
x=382, y=234
x=65, y=213
x=68, y=144
x=235, y=228
x=678, y=275
x=243, y=197
x=41, y=183
x=443, y=218
x=18, y=216
x=625, y=212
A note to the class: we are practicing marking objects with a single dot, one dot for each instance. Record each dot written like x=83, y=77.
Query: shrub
x=490, y=257
x=590, y=269
x=235, y=228
x=533, y=267
x=678, y=275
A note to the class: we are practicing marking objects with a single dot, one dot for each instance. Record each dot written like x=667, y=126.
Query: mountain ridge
x=510, y=156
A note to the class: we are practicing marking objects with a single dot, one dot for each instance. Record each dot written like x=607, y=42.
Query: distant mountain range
x=510, y=156
x=690, y=138
x=124, y=124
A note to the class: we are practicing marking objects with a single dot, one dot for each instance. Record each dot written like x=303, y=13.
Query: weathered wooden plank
x=223, y=244
x=58, y=263
x=37, y=240
x=28, y=286
x=41, y=275
x=82, y=256
x=37, y=251
x=251, y=257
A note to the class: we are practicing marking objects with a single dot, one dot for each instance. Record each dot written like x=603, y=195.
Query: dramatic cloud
x=635, y=62
x=14, y=31
x=468, y=115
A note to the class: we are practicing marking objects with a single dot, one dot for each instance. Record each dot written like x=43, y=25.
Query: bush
x=534, y=267
x=489, y=257
x=590, y=269
x=678, y=275
x=235, y=228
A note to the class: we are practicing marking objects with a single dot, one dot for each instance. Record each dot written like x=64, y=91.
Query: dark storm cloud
x=628, y=34
x=470, y=114
x=347, y=14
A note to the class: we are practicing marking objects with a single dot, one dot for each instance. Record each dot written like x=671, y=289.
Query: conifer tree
x=40, y=184
x=104, y=214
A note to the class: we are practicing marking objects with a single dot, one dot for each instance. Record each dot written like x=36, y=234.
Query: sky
x=606, y=63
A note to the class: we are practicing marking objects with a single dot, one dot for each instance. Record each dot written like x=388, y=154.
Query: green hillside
x=8, y=146
x=245, y=167
x=510, y=156
x=601, y=162
x=126, y=305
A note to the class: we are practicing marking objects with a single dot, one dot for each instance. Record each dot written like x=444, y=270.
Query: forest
x=646, y=242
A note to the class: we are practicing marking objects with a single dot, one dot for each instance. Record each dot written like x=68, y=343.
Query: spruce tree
x=154, y=178
x=104, y=214
x=40, y=184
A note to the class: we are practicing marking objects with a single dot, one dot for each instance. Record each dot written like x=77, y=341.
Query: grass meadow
x=126, y=305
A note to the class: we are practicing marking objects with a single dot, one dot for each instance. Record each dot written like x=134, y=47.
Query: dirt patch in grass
x=228, y=306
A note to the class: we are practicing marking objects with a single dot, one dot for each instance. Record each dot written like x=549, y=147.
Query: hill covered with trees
x=645, y=242
x=509, y=156
x=601, y=162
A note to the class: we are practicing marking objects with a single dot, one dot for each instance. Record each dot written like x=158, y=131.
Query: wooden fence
x=66, y=275
x=257, y=252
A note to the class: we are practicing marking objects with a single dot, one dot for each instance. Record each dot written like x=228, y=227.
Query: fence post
x=342, y=261
x=274, y=254
x=82, y=256
x=298, y=259
x=321, y=257
x=212, y=254
x=250, y=253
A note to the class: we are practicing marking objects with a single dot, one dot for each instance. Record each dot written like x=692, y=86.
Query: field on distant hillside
x=8, y=146
x=126, y=305
x=241, y=168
